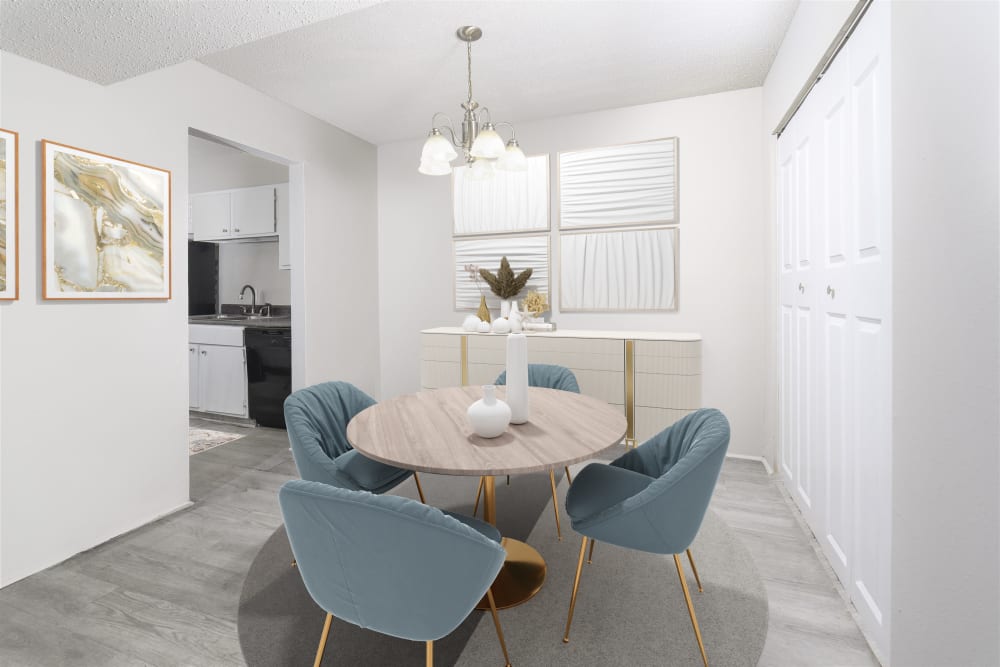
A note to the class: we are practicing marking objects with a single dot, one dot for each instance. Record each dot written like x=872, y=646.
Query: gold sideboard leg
x=630, y=393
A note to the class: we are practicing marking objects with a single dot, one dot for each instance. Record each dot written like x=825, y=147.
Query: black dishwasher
x=269, y=374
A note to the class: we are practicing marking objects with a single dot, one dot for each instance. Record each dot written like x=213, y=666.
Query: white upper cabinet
x=232, y=214
x=281, y=222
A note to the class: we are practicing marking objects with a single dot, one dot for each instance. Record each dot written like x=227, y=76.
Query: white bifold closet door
x=835, y=342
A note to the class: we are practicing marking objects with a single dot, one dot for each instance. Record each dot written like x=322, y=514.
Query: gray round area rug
x=630, y=609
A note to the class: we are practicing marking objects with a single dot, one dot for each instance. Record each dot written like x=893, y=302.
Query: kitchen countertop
x=256, y=323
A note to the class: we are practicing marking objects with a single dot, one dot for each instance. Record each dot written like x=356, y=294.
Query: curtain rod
x=824, y=63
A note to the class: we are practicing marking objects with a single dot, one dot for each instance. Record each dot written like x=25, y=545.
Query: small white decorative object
x=517, y=377
x=505, y=307
x=501, y=326
x=516, y=320
x=489, y=416
x=471, y=323
x=483, y=327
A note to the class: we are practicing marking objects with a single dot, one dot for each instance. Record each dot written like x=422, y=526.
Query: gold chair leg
x=555, y=502
x=687, y=598
x=496, y=622
x=576, y=585
x=479, y=491
x=568, y=478
x=430, y=654
x=695, y=569
x=420, y=489
x=322, y=640
x=590, y=557
x=295, y=563
x=508, y=480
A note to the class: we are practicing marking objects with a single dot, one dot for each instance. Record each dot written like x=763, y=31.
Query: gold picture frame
x=9, y=213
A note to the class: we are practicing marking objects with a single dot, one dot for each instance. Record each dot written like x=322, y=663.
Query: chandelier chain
x=468, y=51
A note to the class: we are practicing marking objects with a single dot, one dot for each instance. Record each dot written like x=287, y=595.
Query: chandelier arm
x=503, y=123
x=449, y=127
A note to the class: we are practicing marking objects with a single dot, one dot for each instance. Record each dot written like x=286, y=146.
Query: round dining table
x=429, y=432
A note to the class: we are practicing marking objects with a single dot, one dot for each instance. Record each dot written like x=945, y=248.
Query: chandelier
x=481, y=144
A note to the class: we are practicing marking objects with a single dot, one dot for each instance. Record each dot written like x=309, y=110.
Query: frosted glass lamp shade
x=437, y=149
x=480, y=170
x=513, y=158
x=434, y=168
x=488, y=144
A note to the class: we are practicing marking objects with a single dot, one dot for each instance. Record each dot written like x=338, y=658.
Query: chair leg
x=576, y=585
x=496, y=622
x=322, y=640
x=687, y=598
x=430, y=654
x=590, y=557
x=695, y=569
x=420, y=489
x=479, y=492
x=555, y=502
x=568, y=478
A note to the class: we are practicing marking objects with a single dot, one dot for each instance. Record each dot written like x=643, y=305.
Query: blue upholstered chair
x=549, y=376
x=316, y=418
x=654, y=497
x=388, y=563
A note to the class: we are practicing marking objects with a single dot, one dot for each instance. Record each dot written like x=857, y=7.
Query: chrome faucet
x=253, y=297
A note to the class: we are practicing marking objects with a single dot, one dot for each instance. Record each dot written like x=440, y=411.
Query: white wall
x=255, y=264
x=94, y=411
x=812, y=30
x=722, y=240
x=946, y=207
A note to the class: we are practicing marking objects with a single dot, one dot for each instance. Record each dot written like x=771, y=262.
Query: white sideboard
x=654, y=378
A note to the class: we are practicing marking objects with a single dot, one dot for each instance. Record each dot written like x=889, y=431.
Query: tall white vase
x=517, y=377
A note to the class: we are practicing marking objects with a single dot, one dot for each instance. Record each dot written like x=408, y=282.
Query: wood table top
x=429, y=432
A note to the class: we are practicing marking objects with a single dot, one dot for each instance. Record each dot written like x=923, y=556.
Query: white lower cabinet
x=217, y=365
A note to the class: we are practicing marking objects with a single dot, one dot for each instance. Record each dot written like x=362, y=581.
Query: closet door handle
x=831, y=292
x=802, y=288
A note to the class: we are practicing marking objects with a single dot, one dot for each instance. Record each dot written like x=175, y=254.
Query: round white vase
x=489, y=416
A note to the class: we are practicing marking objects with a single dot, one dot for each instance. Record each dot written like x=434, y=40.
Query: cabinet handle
x=236, y=229
x=802, y=288
x=190, y=349
x=225, y=230
x=832, y=292
x=204, y=351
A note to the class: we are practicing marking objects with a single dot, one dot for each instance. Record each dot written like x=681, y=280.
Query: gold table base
x=521, y=576
x=523, y=571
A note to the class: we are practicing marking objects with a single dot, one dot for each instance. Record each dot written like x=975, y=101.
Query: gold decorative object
x=504, y=283
x=483, y=313
x=536, y=303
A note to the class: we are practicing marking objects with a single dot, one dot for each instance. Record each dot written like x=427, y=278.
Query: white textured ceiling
x=110, y=40
x=381, y=69
x=381, y=73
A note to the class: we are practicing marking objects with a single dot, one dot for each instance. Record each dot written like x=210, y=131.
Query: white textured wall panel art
x=633, y=270
x=521, y=251
x=511, y=201
x=631, y=184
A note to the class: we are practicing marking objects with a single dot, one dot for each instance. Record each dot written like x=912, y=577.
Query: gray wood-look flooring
x=166, y=594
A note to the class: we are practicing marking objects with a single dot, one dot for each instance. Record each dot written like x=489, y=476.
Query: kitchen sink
x=221, y=317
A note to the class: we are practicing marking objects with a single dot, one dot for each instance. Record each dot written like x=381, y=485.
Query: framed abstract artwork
x=106, y=226
x=521, y=251
x=508, y=202
x=618, y=271
x=626, y=185
x=8, y=215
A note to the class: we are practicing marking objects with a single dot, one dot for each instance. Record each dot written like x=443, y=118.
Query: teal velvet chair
x=551, y=377
x=316, y=418
x=388, y=563
x=654, y=497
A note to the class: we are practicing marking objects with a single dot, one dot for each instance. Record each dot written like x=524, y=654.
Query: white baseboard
x=759, y=459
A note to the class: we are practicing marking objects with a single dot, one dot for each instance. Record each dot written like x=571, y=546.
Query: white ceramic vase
x=517, y=377
x=505, y=307
x=489, y=415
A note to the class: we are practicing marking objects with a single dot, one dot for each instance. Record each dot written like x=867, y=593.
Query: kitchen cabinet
x=234, y=214
x=281, y=223
x=218, y=370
